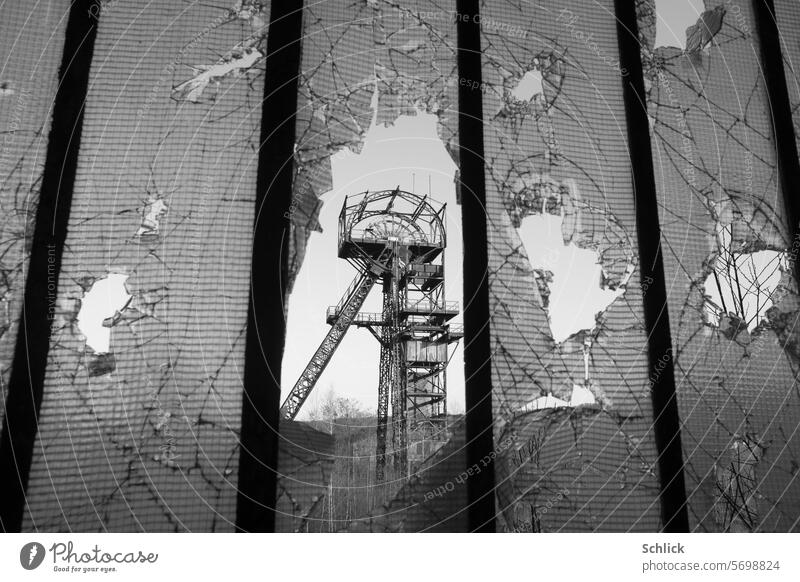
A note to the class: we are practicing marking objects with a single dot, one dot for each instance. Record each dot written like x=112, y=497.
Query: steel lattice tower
x=398, y=239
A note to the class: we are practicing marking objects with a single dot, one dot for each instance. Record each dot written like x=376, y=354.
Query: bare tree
x=332, y=407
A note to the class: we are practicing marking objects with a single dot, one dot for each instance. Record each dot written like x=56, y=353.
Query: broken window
x=377, y=113
x=568, y=340
x=727, y=258
x=100, y=308
x=741, y=286
x=143, y=398
x=673, y=21
x=788, y=18
x=142, y=403
x=736, y=504
x=28, y=82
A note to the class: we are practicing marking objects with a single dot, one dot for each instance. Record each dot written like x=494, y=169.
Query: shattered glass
x=728, y=258
x=139, y=426
x=572, y=409
x=364, y=64
x=28, y=82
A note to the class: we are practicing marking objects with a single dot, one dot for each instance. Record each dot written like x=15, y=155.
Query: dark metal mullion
x=477, y=348
x=266, y=327
x=26, y=384
x=666, y=417
x=772, y=64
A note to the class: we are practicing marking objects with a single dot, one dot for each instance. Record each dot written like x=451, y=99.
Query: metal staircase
x=347, y=309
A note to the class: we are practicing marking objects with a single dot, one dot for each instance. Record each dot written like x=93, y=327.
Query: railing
x=405, y=206
x=363, y=317
x=428, y=306
x=456, y=329
x=346, y=297
x=366, y=235
x=353, y=300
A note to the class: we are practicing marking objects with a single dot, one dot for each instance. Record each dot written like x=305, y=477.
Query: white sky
x=575, y=293
x=754, y=278
x=407, y=154
x=106, y=296
x=529, y=86
x=674, y=17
